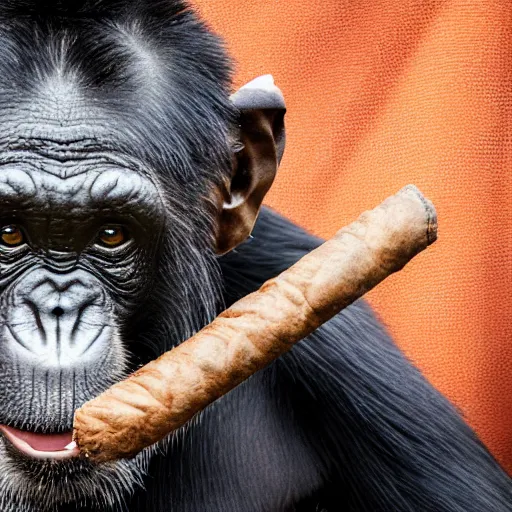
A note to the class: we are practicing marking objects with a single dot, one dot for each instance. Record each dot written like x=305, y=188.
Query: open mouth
x=41, y=446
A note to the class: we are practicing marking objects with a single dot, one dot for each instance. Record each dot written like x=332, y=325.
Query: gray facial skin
x=64, y=298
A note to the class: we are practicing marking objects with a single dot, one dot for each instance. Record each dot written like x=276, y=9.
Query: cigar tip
x=430, y=211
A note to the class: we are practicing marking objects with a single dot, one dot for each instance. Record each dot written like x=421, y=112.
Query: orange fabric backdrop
x=382, y=93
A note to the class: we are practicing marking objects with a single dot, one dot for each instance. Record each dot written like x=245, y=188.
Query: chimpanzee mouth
x=41, y=446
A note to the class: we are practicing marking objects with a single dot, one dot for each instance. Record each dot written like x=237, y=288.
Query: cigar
x=166, y=393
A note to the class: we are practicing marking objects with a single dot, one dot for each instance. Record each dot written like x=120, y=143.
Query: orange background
x=382, y=93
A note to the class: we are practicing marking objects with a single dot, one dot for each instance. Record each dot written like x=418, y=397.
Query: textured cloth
x=380, y=94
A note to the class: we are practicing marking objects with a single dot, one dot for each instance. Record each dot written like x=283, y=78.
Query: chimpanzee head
x=125, y=170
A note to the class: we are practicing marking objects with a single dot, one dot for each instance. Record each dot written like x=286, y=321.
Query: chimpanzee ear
x=259, y=149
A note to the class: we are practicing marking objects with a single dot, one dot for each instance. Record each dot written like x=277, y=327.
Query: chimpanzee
x=130, y=182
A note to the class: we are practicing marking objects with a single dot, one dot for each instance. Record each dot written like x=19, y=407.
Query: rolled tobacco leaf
x=166, y=393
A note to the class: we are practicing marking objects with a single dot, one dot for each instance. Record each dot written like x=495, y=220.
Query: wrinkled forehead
x=60, y=147
x=58, y=114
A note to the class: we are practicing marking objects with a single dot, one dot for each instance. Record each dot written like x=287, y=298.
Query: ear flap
x=262, y=139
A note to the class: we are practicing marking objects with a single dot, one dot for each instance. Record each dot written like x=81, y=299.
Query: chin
x=39, y=471
x=30, y=483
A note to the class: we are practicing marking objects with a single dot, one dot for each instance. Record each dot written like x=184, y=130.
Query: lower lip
x=40, y=446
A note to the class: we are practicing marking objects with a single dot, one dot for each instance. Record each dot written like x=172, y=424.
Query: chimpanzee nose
x=59, y=317
x=61, y=295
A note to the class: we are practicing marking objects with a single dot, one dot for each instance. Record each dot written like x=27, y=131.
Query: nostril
x=58, y=311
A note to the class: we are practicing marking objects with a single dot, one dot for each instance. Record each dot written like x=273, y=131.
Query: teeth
x=71, y=446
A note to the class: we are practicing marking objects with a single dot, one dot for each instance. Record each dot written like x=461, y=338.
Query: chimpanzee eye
x=11, y=236
x=112, y=236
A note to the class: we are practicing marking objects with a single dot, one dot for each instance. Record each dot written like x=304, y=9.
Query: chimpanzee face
x=81, y=230
x=75, y=253
x=76, y=250
x=125, y=167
